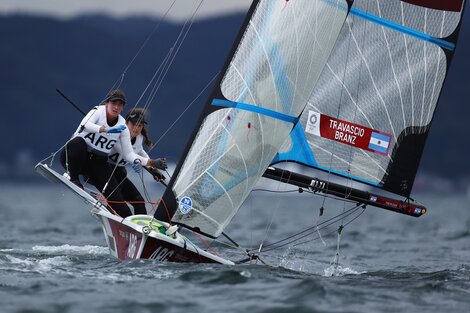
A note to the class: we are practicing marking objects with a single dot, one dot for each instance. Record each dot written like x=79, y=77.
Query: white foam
x=338, y=270
x=74, y=250
x=39, y=265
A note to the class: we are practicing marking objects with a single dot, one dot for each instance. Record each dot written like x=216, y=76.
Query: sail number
x=316, y=185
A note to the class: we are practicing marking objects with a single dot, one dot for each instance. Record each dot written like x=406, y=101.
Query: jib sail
x=266, y=83
x=370, y=113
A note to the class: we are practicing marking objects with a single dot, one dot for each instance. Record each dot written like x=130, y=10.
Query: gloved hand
x=160, y=163
x=136, y=166
x=157, y=175
x=116, y=130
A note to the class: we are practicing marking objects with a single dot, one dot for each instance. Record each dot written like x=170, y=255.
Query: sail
x=265, y=85
x=370, y=113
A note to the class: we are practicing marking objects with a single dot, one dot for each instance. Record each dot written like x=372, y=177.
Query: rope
x=307, y=232
x=205, y=243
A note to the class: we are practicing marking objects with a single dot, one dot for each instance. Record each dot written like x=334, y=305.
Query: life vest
x=101, y=142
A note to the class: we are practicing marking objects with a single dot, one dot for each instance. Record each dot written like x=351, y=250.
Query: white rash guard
x=115, y=156
x=103, y=143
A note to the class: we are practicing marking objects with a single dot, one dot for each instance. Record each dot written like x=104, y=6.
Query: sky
x=121, y=8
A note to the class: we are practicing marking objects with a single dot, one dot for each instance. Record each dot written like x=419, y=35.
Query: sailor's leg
x=129, y=191
x=100, y=173
x=132, y=194
x=74, y=156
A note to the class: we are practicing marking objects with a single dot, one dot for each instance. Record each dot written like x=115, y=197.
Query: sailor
x=136, y=121
x=87, y=152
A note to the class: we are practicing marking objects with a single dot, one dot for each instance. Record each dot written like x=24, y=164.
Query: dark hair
x=140, y=112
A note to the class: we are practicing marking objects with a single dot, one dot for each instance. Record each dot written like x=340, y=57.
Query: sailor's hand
x=157, y=175
x=160, y=163
x=116, y=130
x=136, y=166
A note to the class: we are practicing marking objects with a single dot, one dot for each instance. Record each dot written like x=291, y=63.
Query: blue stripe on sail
x=403, y=29
x=255, y=109
x=280, y=81
x=300, y=150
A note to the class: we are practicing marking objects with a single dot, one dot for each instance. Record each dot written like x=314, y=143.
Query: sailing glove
x=136, y=166
x=157, y=175
x=116, y=130
x=160, y=163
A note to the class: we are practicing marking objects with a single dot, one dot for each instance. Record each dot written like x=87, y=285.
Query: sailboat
x=345, y=87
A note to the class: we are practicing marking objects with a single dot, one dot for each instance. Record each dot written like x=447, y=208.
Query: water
x=53, y=259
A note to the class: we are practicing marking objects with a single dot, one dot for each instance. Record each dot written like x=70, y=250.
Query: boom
x=322, y=186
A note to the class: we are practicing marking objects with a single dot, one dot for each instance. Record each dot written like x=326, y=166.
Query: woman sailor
x=87, y=152
x=135, y=122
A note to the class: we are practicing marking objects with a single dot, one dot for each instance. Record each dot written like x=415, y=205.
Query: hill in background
x=85, y=56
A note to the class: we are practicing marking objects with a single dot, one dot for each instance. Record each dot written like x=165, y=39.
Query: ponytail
x=147, y=141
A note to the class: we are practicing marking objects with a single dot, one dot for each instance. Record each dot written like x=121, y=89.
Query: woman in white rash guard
x=87, y=152
x=136, y=119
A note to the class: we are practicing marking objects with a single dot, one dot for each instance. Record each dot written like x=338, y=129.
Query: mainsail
x=370, y=113
x=266, y=83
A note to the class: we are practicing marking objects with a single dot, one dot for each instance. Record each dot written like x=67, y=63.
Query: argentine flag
x=379, y=142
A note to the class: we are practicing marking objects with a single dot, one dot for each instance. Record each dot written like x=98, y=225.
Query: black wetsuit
x=95, y=166
x=129, y=191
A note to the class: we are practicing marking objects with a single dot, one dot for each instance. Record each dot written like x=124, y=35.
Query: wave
x=72, y=250
x=35, y=265
x=338, y=270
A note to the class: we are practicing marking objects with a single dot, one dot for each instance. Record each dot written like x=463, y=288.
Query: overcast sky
x=71, y=8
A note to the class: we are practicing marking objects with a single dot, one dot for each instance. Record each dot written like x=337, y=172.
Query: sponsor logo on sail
x=186, y=205
x=313, y=123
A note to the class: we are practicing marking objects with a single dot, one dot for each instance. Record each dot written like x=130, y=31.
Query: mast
x=168, y=205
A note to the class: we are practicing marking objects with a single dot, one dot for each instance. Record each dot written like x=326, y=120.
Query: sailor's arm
x=142, y=152
x=89, y=122
x=128, y=153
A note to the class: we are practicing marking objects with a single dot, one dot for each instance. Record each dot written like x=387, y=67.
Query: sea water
x=53, y=258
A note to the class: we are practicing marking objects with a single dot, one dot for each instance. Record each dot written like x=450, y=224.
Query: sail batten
x=384, y=77
x=256, y=109
x=402, y=29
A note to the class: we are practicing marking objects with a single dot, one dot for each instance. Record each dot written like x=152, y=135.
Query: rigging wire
x=172, y=55
x=309, y=231
x=163, y=68
x=358, y=93
x=120, y=79
x=157, y=26
x=267, y=252
x=268, y=227
x=184, y=111
x=334, y=230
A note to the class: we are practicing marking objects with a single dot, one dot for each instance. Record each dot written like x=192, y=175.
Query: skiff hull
x=127, y=240
x=137, y=236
